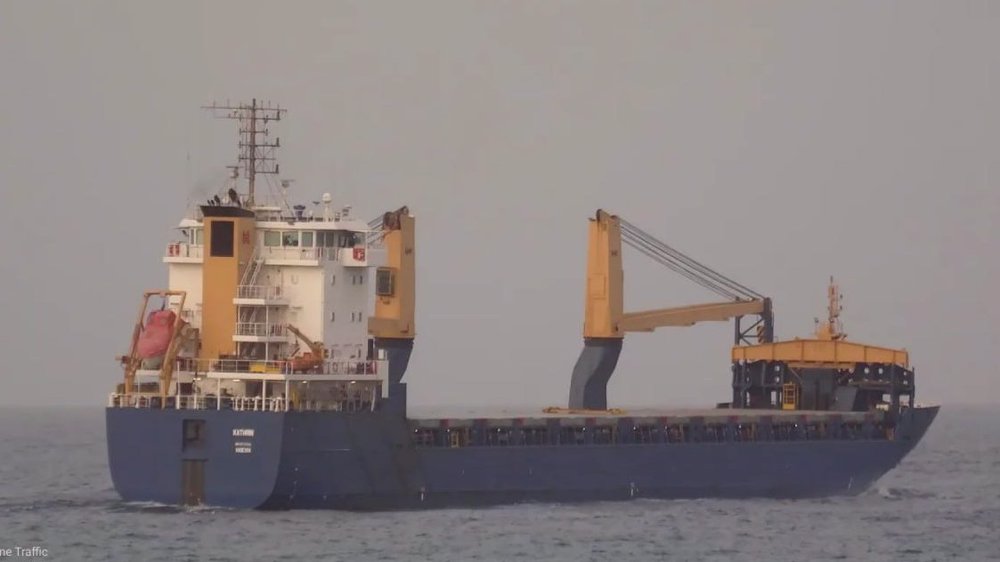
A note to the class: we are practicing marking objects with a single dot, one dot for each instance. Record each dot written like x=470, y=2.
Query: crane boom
x=649, y=320
x=605, y=316
x=316, y=348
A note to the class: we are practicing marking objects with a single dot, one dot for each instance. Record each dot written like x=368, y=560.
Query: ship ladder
x=789, y=396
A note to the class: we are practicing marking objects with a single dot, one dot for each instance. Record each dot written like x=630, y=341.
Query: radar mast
x=257, y=152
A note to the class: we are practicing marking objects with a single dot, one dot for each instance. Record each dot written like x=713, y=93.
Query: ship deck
x=527, y=416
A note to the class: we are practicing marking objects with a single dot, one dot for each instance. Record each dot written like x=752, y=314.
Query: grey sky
x=778, y=142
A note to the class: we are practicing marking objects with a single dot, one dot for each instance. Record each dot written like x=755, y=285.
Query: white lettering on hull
x=243, y=447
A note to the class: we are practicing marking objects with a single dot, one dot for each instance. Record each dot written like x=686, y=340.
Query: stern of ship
x=190, y=457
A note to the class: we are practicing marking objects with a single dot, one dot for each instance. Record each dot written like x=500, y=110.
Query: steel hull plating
x=337, y=460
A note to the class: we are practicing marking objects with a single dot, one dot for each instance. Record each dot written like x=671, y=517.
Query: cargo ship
x=269, y=375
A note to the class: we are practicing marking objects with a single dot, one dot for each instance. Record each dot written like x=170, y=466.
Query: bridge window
x=272, y=238
x=308, y=237
x=326, y=239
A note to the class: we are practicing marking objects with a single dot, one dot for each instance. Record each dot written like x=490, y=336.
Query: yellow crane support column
x=605, y=278
x=393, y=325
x=602, y=326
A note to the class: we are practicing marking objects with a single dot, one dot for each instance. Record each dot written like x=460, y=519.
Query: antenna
x=285, y=184
x=327, y=200
x=257, y=153
x=832, y=329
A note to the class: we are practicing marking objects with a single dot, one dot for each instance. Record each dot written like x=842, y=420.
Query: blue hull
x=367, y=461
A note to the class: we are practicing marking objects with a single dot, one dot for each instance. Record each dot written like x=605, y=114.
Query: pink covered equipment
x=155, y=337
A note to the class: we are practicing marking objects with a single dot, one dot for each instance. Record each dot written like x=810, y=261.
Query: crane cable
x=735, y=286
x=651, y=252
x=683, y=264
x=375, y=231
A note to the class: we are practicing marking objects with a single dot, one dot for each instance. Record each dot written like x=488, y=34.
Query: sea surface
x=941, y=503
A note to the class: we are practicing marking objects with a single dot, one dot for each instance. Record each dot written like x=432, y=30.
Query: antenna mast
x=257, y=153
x=832, y=329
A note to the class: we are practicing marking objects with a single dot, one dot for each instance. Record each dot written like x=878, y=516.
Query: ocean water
x=941, y=503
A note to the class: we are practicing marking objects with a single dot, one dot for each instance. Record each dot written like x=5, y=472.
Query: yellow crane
x=606, y=322
x=393, y=325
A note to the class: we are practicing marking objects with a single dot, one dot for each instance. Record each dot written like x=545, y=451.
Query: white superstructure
x=311, y=272
x=272, y=306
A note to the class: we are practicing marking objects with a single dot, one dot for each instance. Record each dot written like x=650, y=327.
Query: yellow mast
x=832, y=329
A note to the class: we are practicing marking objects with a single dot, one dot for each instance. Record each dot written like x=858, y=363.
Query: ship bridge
x=268, y=298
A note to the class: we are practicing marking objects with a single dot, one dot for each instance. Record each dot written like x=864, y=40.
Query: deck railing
x=255, y=366
x=296, y=253
x=262, y=329
x=259, y=292
x=184, y=250
x=290, y=253
x=237, y=403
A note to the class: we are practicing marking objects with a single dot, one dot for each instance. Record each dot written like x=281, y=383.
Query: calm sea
x=941, y=503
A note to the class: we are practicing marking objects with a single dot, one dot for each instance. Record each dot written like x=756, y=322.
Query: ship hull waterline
x=365, y=461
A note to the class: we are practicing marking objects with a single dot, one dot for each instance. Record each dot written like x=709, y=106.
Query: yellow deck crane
x=393, y=325
x=309, y=360
x=606, y=323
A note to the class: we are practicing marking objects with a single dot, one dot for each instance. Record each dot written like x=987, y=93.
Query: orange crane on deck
x=309, y=360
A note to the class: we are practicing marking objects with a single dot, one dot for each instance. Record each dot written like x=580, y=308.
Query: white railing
x=294, y=366
x=294, y=253
x=184, y=250
x=259, y=329
x=258, y=292
x=258, y=404
x=290, y=253
x=240, y=403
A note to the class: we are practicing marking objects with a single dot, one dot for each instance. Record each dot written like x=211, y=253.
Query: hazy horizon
x=778, y=142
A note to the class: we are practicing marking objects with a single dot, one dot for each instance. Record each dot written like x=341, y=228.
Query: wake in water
x=157, y=507
x=891, y=493
x=14, y=505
